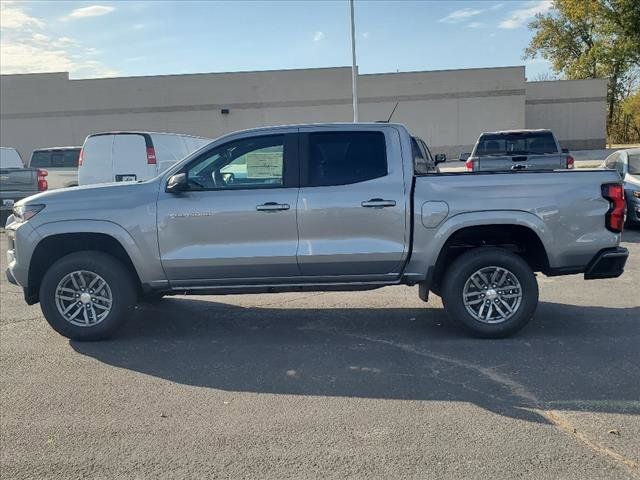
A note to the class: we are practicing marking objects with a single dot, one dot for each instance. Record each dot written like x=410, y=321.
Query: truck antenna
x=392, y=112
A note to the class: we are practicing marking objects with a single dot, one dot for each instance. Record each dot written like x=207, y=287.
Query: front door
x=352, y=209
x=237, y=221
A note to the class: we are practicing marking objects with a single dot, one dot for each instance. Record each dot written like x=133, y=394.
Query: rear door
x=96, y=160
x=130, y=162
x=352, y=204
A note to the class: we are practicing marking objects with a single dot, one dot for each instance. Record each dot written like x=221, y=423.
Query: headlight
x=636, y=194
x=22, y=213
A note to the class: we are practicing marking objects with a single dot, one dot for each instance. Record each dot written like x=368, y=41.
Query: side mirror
x=440, y=158
x=565, y=150
x=464, y=157
x=177, y=183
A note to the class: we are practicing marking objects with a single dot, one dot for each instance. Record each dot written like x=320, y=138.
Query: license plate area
x=128, y=177
x=8, y=202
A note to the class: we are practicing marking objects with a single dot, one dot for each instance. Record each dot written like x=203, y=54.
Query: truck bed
x=565, y=208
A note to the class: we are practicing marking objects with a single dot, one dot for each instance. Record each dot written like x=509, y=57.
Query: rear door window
x=342, y=158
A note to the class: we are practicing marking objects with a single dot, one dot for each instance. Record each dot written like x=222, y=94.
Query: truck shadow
x=569, y=357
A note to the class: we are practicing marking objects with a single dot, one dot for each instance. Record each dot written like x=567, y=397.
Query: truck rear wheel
x=87, y=295
x=491, y=292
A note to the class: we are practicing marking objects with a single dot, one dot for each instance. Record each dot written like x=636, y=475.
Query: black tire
x=119, y=280
x=473, y=261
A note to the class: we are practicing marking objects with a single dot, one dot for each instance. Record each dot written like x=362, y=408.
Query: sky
x=132, y=38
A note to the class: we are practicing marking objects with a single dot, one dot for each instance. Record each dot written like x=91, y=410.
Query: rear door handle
x=378, y=203
x=272, y=207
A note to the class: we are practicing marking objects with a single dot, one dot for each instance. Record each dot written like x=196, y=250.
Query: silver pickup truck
x=314, y=207
x=517, y=150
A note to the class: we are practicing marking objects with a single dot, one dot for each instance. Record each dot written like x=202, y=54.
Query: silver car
x=627, y=164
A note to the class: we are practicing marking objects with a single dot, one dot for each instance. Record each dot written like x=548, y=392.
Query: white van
x=132, y=156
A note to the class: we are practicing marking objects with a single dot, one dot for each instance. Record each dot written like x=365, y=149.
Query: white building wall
x=448, y=108
x=574, y=109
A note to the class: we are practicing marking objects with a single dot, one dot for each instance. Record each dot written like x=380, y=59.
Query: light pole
x=354, y=67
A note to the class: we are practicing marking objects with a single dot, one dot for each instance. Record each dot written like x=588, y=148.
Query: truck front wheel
x=87, y=295
x=491, y=292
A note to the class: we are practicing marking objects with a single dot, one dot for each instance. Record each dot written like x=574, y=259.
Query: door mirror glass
x=177, y=183
x=441, y=157
x=464, y=157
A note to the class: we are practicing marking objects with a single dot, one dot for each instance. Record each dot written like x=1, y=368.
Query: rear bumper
x=608, y=263
x=12, y=197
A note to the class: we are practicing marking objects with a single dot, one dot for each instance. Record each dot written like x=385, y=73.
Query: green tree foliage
x=592, y=39
x=631, y=109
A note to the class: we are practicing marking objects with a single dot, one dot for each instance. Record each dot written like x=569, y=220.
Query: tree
x=591, y=39
x=631, y=108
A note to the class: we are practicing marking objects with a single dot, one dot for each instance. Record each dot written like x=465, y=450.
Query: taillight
x=81, y=157
x=151, y=156
x=469, y=165
x=614, y=219
x=42, y=182
x=570, y=161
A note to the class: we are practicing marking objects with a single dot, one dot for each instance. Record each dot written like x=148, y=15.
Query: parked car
x=627, y=164
x=423, y=161
x=60, y=162
x=16, y=181
x=319, y=207
x=132, y=156
x=517, y=150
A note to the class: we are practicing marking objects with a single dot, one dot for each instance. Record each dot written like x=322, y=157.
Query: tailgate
x=521, y=162
x=18, y=179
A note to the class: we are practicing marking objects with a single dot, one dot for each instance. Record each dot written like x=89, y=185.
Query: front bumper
x=608, y=263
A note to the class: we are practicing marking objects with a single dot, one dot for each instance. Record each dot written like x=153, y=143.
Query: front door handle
x=519, y=166
x=272, y=207
x=378, y=203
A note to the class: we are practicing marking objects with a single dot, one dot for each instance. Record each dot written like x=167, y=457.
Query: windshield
x=515, y=143
x=634, y=164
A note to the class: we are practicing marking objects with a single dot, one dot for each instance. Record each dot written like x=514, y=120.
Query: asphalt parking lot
x=328, y=385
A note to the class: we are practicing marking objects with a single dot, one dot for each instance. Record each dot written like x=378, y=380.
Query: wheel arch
x=62, y=238
x=520, y=232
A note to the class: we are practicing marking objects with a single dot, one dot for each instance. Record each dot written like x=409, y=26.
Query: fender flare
x=106, y=227
x=490, y=217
